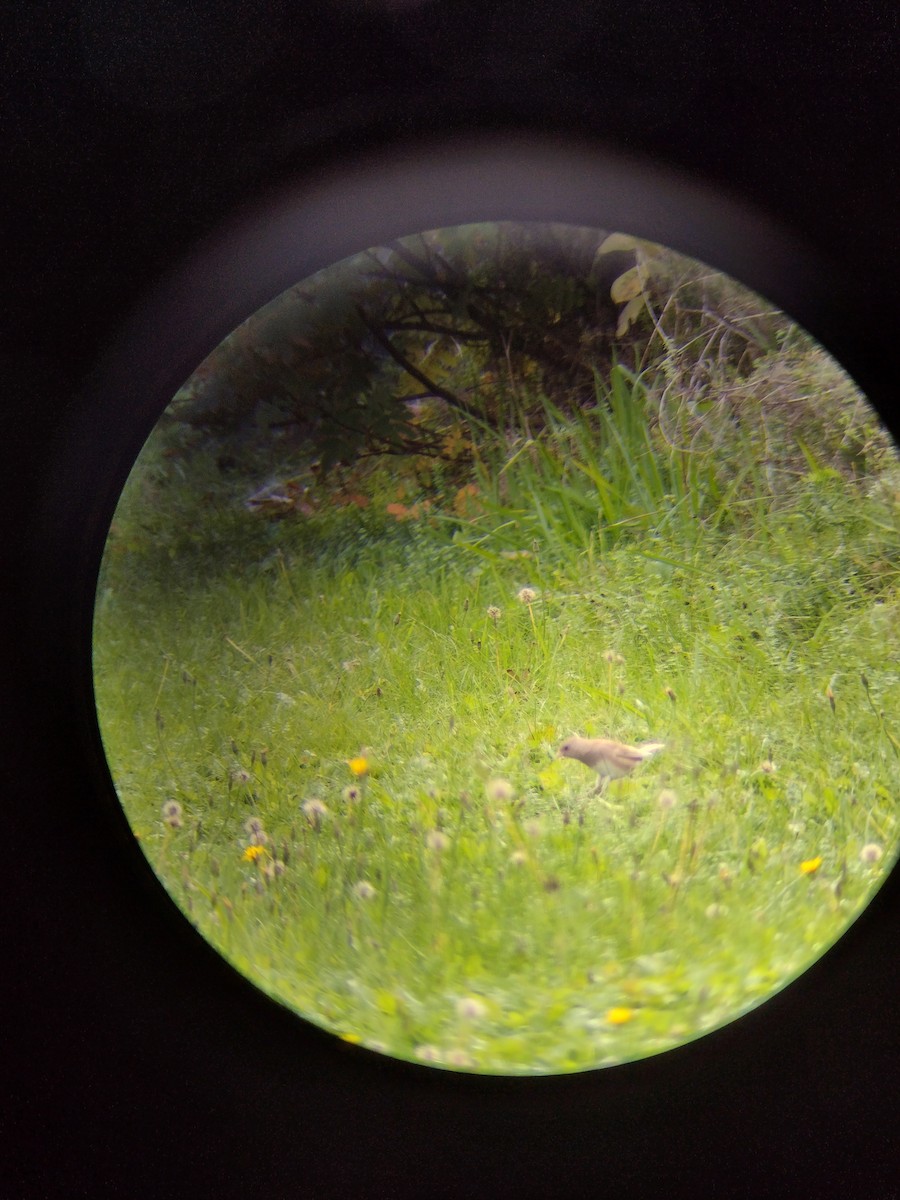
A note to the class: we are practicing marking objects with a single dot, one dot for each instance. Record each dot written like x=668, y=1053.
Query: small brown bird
x=611, y=760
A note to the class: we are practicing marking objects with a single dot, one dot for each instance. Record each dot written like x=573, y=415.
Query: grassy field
x=335, y=735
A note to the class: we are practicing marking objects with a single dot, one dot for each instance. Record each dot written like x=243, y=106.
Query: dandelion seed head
x=459, y=1058
x=172, y=814
x=526, y=595
x=667, y=799
x=533, y=827
x=494, y=612
x=314, y=811
x=436, y=840
x=768, y=767
x=470, y=1008
x=352, y=793
x=364, y=890
x=428, y=1054
x=871, y=853
x=500, y=789
x=518, y=858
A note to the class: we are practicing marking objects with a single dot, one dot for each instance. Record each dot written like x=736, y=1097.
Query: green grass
x=241, y=664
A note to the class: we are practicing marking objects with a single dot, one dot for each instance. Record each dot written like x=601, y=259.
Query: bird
x=611, y=760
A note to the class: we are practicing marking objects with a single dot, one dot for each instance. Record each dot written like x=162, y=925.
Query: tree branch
x=411, y=369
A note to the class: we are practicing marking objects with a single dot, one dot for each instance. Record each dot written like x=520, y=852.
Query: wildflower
x=364, y=890
x=314, y=810
x=811, y=865
x=619, y=1016
x=428, y=1054
x=612, y=657
x=172, y=814
x=470, y=1008
x=359, y=765
x=459, y=1058
x=871, y=853
x=526, y=595
x=353, y=1038
x=254, y=826
x=252, y=853
x=494, y=613
x=436, y=840
x=240, y=776
x=667, y=799
x=518, y=858
x=352, y=794
x=767, y=767
x=500, y=789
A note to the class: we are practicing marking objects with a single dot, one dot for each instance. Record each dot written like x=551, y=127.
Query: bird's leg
x=599, y=790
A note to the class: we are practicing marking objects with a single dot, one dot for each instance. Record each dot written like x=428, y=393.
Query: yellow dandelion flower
x=353, y=1038
x=811, y=865
x=359, y=766
x=619, y=1016
x=252, y=853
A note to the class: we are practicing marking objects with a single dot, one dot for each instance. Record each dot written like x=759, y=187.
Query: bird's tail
x=648, y=749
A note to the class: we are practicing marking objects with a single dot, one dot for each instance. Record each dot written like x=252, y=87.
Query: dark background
x=134, y=1061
